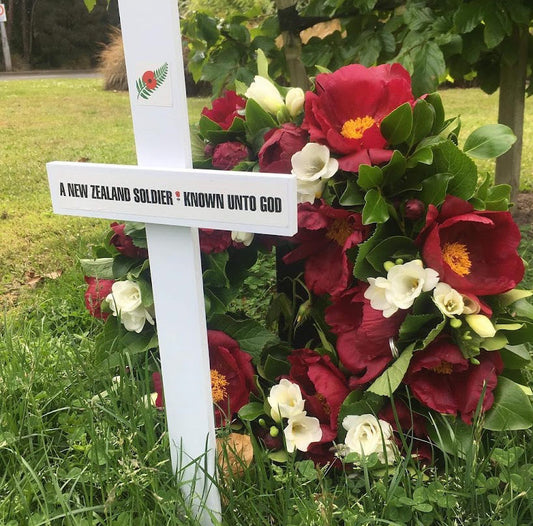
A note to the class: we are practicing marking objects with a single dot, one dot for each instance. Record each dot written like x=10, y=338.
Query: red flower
x=225, y=109
x=232, y=375
x=323, y=387
x=149, y=79
x=213, y=241
x=97, y=291
x=279, y=147
x=346, y=110
x=473, y=252
x=362, y=335
x=124, y=244
x=443, y=380
x=324, y=236
x=158, y=388
x=227, y=155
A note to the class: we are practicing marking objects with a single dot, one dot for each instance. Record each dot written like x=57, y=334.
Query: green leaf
x=436, y=102
x=467, y=16
x=362, y=268
x=369, y=177
x=515, y=356
x=251, y=411
x=450, y=434
x=434, y=189
x=489, y=141
x=274, y=367
x=429, y=66
x=497, y=26
x=394, y=169
x=390, y=249
x=250, y=335
x=257, y=119
x=375, y=209
x=352, y=195
x=215, y=274
x=389, y=381
x=511, y=410
x=448, y=159
x=98, y=268
x=423, y=119
x=422, y=155
x=397, y=126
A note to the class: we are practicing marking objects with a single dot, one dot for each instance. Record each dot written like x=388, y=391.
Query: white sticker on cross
x=164, y=192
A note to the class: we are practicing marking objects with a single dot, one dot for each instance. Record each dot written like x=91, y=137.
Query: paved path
x=49, y=74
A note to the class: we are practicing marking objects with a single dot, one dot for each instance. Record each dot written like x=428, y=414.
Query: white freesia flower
x=404, y=283
x=125, y=301
x=285, y=400
x=448, y=300
x=294, y=100
x=245, y=238
x=311, y=166
x=366, y=435
x=301, y=431
x=265, y=94
x=481, y=325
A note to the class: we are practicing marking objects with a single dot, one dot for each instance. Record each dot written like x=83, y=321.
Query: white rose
x=285, y=400
x=134, y=321
x=307, y=192
x=125, y=296
x=294, y=100
x=301, y=431
x=245, y=238
x=448, y=300
x=481, y=325
x=366, y=435
x=265, y=94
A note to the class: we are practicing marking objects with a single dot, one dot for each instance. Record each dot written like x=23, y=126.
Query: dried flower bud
x=414, y=209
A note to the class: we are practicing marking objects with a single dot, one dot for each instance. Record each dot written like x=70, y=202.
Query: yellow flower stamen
x=457, y=257
x=218, y=386
x=443, y=368
x=355, y=128
x=339, y=231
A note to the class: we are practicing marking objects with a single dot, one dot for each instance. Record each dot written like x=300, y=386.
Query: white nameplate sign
x=245, y=202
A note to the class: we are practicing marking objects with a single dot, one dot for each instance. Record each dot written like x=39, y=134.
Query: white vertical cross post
x=164, y=192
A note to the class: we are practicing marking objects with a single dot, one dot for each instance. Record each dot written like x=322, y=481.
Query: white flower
x=245, y=238
x=481, y=325
x=125, y=301
x=265, y=94
x=285, y=400
x=367, y=435
x=301, y=431
x=404, y=283
x=311, y=166
x=294, y=100
x=126, y=296
x=448, y=300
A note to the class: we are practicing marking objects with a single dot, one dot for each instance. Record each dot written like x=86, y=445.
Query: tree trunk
x=25, y=27
x=292, y=47
x=511, y=110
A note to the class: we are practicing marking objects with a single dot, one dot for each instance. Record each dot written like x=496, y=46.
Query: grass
x=78, y=449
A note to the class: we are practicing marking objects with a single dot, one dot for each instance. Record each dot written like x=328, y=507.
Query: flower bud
x=481, y=325
x=455, y=323
x=294, y=100
x=262, y=422
x=414, y=209
x=388, y=265
x=265, y=94
x=274, y=431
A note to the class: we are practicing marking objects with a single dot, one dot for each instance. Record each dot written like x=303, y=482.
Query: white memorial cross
x=164, y=192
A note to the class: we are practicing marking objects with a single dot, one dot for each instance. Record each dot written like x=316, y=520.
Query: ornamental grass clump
x=402, y=319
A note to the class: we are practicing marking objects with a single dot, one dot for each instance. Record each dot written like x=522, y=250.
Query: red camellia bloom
x=213, y=241
x=225, y=109
x=232, y=375
x=149, y=79
x=97, y=291
x=323, y=387
x=474, y=252
x=324, y=236
x=279, y=147
x=227, y=155
x=443, y=380
x=124, y=244
x=347, y=108
x=362, y=335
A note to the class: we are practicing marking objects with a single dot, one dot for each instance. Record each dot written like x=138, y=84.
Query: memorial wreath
x=396, y=320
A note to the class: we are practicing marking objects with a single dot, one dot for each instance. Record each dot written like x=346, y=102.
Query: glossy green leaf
x=434, y=189
x=423, y=119
x=257, y=119
x=489, y=141
x=369, y=177
x=397, y=126
x=511, y=410
x=389, y=381
x=98, y=268
x=352, y=195
x=391, y=249
x=251, y=411
x=375, y=209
